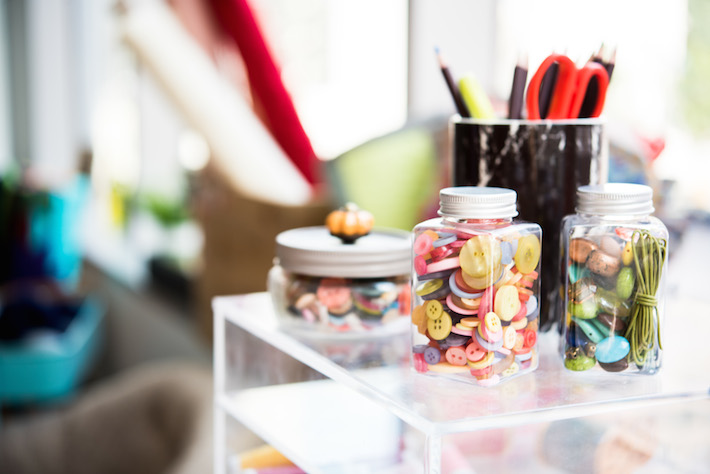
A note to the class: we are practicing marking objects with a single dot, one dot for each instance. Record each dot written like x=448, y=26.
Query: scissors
x=576, y=93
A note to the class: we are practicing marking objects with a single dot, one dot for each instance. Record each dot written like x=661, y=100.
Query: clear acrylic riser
x=355, y=405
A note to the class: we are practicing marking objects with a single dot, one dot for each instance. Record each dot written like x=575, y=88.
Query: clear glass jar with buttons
x=614, y=254
x=322, y=285
x=475, y=288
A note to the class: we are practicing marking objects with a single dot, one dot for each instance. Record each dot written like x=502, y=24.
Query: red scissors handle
x=563, y=92
x=591, y=71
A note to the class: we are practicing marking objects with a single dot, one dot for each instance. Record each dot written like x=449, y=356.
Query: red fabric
x=238, y=22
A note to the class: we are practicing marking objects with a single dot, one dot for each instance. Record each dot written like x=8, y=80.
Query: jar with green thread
x=615, y=253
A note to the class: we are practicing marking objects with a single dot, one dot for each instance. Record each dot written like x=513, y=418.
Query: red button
x=530, y=337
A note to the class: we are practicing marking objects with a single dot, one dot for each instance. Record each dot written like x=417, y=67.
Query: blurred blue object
x=39, y=231
x=54, y=231
x=49, y=365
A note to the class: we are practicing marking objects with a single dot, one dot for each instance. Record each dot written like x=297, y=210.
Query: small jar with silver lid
x=475, y=288
x=334, y=286
x=614, y=254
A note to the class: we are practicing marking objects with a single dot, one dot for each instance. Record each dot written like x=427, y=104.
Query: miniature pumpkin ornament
x=349, y=223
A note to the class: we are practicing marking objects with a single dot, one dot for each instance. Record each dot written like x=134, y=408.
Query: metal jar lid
x=314, y=251
x=615, y=199
x=476, y=202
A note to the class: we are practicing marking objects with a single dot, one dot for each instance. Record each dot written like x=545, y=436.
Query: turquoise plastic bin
x=37, y=372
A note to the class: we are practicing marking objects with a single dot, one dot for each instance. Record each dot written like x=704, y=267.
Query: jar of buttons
x=476, y=288
x=615, y=254
x=342, y=280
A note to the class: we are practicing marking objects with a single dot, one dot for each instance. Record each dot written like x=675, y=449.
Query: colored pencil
x=517, y=92
x=453, y=89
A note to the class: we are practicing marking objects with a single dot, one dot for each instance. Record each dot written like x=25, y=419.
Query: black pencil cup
x=544, y=162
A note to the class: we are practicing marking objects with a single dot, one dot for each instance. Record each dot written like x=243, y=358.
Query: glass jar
x=475, y=288
x=321, y=285
x=614, y=255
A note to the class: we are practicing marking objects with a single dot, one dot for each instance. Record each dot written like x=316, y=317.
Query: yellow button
x=483, y=363
x=419, y=318
x=509, y=336
x=528, y=254
x=492, y=322
x=507, y=302
x=480, y=255
x=440, y=327
x=429, y=286
x=434, y=309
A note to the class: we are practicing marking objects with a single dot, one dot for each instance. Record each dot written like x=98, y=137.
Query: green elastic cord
x=642, y=331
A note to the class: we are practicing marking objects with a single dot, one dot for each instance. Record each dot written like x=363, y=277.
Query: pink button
x=423, y=244
x=445, y=264
x=457, y=309
x=456, y=356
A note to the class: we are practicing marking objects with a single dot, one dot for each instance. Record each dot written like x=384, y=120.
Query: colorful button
x=484, y=281
x=492, y=322
x=488, y=335
x=470, y=322
x=487, y=300
x=445, y=239
x=529, y=338
x=507, y=302
x=480, y=255
x=528, y=254
x=456, y=356
x=489, y=346
x=419, y=318
x=419, y=348
x=482, y=374
x=456, y=308
x=512, y=370
x=530, y=305
x=441, y=253
x=485, y=361
x=456, y=289
x=446, y=368
x=420, y=364
x=519, y=324
x=462, y=330
x=453, y=340
x=434, y=309
x=521, y=313
x=506, y=251
x=474, y=351
x=432, y=355
x=461, y=283
x=445, y=264
x=439, y=328
x=428, y=287
x=423, y=244
x=509, y=337
x=420, y=265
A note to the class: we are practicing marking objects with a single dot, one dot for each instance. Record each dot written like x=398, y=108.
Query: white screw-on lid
x=615, y=199
x=314, y=251
x=474, y=202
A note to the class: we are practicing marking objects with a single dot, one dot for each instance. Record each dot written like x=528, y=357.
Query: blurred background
x=143, y=170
